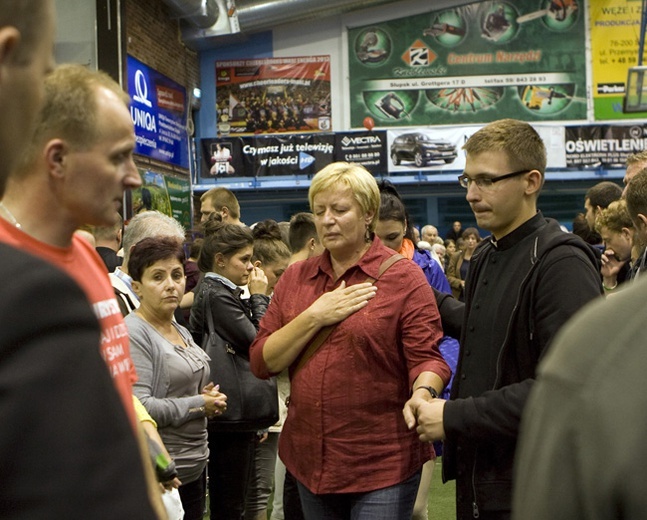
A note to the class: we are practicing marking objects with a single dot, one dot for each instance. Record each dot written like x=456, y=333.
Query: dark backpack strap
x=325, y=332
x=126, y=304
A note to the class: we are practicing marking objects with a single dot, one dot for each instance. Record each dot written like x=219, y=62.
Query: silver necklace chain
x=13, y=219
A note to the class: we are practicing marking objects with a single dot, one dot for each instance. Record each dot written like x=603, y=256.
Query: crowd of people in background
x=109, y=399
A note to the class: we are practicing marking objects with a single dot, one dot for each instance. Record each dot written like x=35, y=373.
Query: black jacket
x=81, y=439
x=553, y=275
x=235, y=320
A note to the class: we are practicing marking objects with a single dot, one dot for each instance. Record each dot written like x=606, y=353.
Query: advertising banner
x=291, y=154
x=402, y=151
x=615, y=30
x=440, y=150
x=274, y=95
x=365, y=148
x=471, y=64
x=158, y=110
x=427, y=149
x=603, y=145
x=164, y=193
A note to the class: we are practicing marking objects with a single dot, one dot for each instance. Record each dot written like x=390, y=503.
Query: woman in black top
x=226, y=260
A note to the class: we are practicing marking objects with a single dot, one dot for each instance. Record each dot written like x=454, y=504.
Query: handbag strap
x=206, y=309
x=324, y=332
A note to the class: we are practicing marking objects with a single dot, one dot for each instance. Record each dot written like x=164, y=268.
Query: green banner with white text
x=471, y=64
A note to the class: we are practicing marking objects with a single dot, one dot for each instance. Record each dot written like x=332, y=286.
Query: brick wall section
x=153, y=38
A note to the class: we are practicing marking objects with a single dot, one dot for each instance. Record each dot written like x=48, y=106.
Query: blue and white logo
x=305, y=160
x=141, y=89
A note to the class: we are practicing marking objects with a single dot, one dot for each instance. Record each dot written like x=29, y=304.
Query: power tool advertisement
x=471, y=65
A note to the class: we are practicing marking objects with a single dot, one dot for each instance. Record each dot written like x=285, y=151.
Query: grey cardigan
x=153, y=380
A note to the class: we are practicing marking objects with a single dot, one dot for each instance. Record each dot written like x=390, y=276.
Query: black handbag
x=252, y=403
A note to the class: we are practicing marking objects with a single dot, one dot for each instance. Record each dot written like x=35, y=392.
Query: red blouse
x=345, y=431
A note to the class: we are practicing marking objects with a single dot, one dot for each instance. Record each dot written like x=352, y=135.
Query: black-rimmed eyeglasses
x=486, y=182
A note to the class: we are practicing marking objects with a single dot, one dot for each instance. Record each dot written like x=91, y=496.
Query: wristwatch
x=431, y=390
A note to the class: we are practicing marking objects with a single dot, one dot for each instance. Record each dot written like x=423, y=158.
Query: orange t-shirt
x=81, y=262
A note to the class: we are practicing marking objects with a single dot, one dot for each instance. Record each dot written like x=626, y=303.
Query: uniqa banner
x=158, y=110
x=471, y=64
x=603, y=145
x=274, y=95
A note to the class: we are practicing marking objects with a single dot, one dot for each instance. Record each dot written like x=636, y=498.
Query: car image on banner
x=421, y=149
x=426, y=149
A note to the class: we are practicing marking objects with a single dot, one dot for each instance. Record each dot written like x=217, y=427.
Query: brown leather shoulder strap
x=323, y=333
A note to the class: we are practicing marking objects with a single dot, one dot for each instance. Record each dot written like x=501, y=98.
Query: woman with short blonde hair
x=345, y=438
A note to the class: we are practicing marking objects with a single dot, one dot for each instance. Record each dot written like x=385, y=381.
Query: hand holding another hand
x=215, y=402
x=427, y=415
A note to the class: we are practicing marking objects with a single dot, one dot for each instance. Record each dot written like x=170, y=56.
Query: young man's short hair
x=637, y=157
x=220, y=198
x=521, y=143
x=614, y=218
x=603, y=194
x=302, y=229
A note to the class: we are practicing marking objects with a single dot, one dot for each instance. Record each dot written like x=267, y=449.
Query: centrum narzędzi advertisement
x=472, y=64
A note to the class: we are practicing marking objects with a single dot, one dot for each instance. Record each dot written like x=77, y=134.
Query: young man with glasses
x=525, y=281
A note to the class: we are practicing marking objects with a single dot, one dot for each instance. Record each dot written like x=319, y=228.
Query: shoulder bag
x=252, y=403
